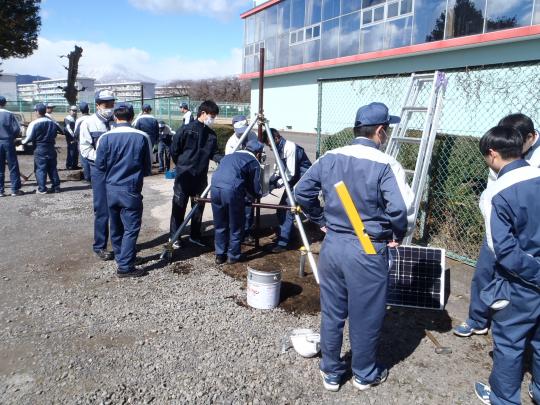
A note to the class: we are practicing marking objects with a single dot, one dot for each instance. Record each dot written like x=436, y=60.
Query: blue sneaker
x=331, y=382
x=464, y=330
x=363, y=385
x=482, y=392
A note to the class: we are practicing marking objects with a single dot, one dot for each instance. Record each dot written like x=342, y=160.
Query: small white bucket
x=263, y=288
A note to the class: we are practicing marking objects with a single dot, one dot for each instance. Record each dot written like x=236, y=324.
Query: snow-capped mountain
x=115, y=74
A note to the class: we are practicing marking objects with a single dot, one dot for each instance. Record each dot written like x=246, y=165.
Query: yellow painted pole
x=354, y=217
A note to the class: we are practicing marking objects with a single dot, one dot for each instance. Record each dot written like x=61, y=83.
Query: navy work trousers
x=479, y=313
x=186, y=186
x=125, y=211
x=9, y=154
x=45, y=164
x=164, y=156
x=285, y=220
x=72, y=158
x=512, y=328
x=101, y=209
x=86, y=168
x=353, y=284
x=229, y=217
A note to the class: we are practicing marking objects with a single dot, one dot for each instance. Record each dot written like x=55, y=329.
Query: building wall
x=291, y=100
x=8, y=86
x=130, y=90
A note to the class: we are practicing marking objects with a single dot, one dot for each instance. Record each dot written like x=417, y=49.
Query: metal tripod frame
x=259, y=119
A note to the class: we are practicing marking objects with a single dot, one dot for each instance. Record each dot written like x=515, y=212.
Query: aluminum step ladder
x=402, y=133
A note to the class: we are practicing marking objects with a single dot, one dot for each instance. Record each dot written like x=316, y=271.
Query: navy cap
x=374, y=114
x=254, y=146
x=40, y=108
x=147, y=107
x=123, y=106
x=83, y=106
x=3, y=100
x=104, y=95
x=240, y=124
x=184, y=105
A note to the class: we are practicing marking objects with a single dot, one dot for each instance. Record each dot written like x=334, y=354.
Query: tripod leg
x=290, y=196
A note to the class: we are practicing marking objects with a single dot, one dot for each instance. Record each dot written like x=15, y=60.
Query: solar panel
x=417, y=277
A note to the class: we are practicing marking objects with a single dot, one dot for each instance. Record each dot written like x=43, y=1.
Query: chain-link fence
x=476, y=99
x=166, y=108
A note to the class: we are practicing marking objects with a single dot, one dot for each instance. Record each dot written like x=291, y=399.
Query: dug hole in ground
x=71, y=332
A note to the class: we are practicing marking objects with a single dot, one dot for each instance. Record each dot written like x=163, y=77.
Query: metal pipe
x=290, y=196
x=259, y=205
x=260, y=136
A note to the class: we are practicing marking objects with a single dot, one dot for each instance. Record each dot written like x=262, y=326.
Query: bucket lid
x=264, y=276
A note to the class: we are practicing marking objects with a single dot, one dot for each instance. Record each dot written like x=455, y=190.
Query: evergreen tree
x=19, y=28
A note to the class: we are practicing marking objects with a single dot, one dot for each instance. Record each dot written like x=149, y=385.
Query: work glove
x=17, y=141
x=273, y=183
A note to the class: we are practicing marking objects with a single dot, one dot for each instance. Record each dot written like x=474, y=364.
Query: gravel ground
x=71, y=332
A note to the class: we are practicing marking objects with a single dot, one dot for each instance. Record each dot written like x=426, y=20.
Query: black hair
x=85, y=110
x=208, y=107
x=505, y=140
x=367, y=131
x=124, y=113
x=3, y=103
x=520, y=122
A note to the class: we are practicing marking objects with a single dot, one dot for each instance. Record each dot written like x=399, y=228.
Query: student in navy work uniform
x=352, y=283
x=124, y=156
x=164, y=146
x=479, y=313
x=237, y=177
x=192, y=148
x=240, y=124
x=9, y=130
x=296, y=163
x=90, y=131
x=42, y=132
x=83, y=106
x=511, y=210
x=72, y=157
x=147, y=123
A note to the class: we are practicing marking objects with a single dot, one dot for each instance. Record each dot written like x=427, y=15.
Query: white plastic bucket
x=263, y=288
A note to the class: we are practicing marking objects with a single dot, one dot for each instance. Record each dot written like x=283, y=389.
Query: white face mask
x=209, y=121
x=106, y=113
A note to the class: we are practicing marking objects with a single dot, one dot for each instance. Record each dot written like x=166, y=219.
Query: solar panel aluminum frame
x=399, y=294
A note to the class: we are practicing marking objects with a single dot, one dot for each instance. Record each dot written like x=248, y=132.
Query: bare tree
x=70, y=91
x=230, y=89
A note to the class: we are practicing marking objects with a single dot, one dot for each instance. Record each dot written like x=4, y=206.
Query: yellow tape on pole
x=354, y=217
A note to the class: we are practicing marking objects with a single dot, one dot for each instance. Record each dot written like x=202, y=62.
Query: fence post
x=319, y=119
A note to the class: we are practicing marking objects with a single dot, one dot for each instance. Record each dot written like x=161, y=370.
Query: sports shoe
x=363, y=385
x=482, y=392
x=57, y=190
x=17, y=193
x=331, y=382
x=2, y=194
x=234, y=261
x=104, y=255
x=197, y=242
x=220, y=259
x=42, y=192
x=138, y=272
x=464, y=330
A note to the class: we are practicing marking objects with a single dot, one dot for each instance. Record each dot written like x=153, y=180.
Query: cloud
x=211, y=8
x=103, y=60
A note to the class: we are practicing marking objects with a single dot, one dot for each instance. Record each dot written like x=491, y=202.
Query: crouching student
x=237, y=177
x=511, y=211
x=123, y=155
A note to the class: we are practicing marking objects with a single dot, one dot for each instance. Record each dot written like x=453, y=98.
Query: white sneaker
x=364, y=385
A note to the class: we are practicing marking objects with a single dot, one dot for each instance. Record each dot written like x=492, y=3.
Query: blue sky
x=158, y=39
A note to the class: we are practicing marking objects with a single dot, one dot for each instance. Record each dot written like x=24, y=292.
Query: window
x=371, y=3
x=298, y=14
x=350, y=6
x=306, y=34
x=313, y=11
x=467, y=18
x=512, y=16
x=330, y=9
x=393, y=10
x=349, y=34
x=367, y=17
x=330, y=39
x=378, y=14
